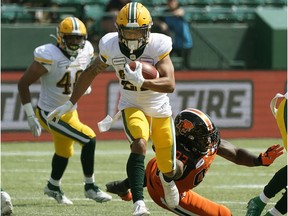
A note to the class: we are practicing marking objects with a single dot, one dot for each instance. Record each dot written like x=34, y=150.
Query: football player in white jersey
x=58, y=68
x=144, y=104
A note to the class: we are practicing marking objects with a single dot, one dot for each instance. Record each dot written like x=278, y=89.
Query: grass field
x=25, y=169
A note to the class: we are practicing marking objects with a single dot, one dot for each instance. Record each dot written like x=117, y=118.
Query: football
x=148, y=70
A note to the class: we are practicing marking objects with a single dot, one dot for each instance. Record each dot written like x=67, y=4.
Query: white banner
x=228, y=103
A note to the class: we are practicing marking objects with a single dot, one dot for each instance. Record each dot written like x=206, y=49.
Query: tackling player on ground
x=144, y=104
x=58, y=68
x=198, y=143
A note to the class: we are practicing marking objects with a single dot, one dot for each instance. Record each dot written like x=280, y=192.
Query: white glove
x=59, y=111
x=135, y=77
x=34, y=126
x=33, y=122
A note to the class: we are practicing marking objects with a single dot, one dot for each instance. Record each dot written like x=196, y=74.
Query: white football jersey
x=57, y=85
x=154, y=104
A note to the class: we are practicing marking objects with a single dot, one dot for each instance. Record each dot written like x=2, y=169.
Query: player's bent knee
x=139, y=146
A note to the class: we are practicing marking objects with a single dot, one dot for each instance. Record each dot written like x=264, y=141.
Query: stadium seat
x=157, y=11
x=148, y=3
x=100, y=2
x=224, y=2
x=251, y=2
x=196, y=14
x=219, y=13
x=199, y=2
x=276, y=3
x=243, y=13
x=94, y=12
x=11, y=13
x=75, y=2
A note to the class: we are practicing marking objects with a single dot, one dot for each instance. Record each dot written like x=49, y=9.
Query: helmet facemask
x=73, y=44
x=206, y=143
x=134, y=38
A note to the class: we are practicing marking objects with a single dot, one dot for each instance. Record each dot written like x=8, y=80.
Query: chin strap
x=53, y=36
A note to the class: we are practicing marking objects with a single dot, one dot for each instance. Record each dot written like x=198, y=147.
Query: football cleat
x=140, y=209
x=96, y=194
x=58, y=195
x=171, y=193
x=6, y=204
x=116, y=187
x=255, y=207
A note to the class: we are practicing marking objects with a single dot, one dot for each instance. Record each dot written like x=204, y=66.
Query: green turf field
x=25, y=169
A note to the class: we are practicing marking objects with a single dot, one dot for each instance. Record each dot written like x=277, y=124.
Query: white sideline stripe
x=120, y=200
x=68, y=171
x=213, y=173
x=123, y=172
x=49, y=153
x=97, y=152
x=232, y=187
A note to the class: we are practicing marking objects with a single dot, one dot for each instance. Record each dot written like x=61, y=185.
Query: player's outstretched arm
x=243, y=157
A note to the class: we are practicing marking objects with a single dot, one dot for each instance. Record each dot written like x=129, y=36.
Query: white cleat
x=170, y=192
x=58, y=196
x=140, y=209
x=96, y=194
x=6, y=204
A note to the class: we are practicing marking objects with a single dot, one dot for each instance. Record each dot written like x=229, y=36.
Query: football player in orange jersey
x=198, y=142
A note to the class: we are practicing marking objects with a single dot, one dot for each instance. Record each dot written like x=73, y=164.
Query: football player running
x=58, y=68
x=144, y=104
x=198, y=143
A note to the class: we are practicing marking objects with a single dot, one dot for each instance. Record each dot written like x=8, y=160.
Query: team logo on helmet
x=184, y=126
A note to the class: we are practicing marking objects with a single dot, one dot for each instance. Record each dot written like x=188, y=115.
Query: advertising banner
x=237, y=101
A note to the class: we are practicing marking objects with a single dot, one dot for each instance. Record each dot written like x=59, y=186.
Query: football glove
x=34, y=125
x=59, y=111
x=270, y=155
x=135, y=77
x=33, y=122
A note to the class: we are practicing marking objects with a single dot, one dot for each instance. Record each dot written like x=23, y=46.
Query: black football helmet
x=196, y=132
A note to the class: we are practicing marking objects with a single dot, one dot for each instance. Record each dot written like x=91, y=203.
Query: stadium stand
x=230, y=14
x=196, y=10
x=15, y=13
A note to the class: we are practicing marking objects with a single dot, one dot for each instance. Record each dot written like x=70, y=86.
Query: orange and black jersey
x=195, y=169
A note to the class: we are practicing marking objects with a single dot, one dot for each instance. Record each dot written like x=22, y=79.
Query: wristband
x=29, y=109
